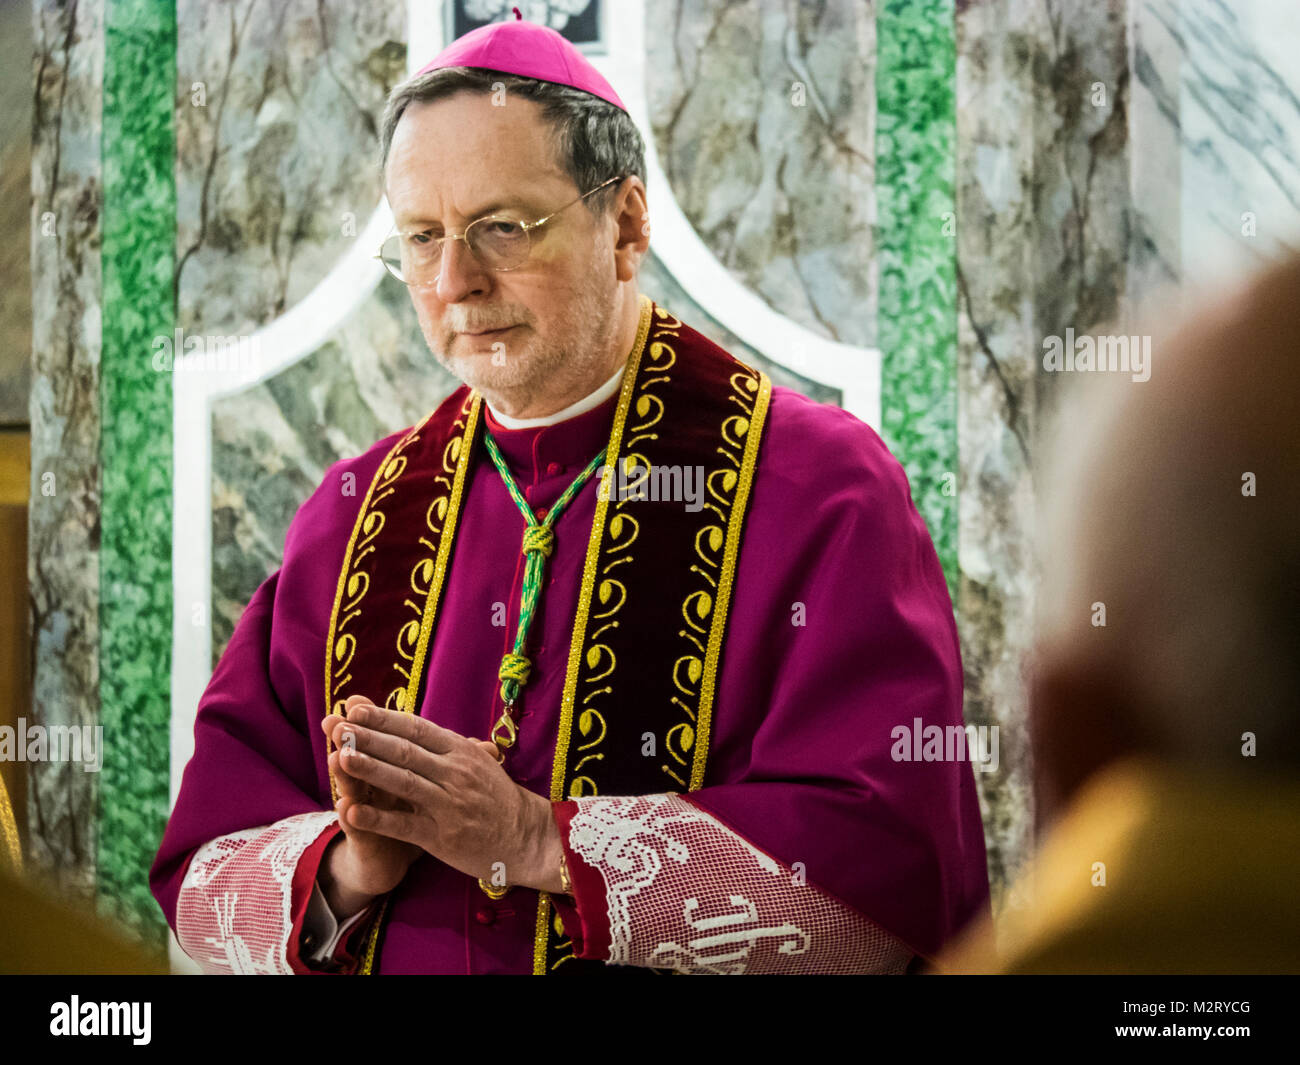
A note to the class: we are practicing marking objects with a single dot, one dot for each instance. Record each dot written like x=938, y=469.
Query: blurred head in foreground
x=1166, y=679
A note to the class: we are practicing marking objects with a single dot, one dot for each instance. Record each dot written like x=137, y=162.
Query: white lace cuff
x=683, y=891
x=234, y=911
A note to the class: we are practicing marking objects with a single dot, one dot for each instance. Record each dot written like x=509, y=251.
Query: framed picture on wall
x=580, y=21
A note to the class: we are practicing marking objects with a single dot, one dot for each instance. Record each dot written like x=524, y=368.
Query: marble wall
x=1044, y=210
x=764, y=116
x=64, y=517
x=277, y=138
x=1220, y=108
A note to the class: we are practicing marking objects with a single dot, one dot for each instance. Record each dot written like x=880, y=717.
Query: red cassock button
x=553, y=468
x=486, y=915
x=541, y=513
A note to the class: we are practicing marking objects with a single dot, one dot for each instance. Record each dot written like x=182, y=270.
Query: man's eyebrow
x=421, y=222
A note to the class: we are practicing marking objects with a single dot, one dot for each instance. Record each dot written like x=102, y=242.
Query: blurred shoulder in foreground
x=1199, y=876
x=42, y=935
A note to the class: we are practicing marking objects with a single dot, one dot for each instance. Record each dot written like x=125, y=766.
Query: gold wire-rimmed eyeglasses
x=497, y=241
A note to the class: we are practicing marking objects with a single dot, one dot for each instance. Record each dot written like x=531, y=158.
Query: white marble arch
x=309, y=323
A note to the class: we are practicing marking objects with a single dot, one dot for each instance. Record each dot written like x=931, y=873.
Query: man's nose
x=459, y=272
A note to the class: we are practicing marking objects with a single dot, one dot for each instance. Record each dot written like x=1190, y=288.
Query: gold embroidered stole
x=648, y=634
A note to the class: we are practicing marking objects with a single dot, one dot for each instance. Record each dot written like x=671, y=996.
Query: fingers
x=349, y=786
x=330, y=722
x=419, y=730
x=396, y=751
x=403, y=783
x=396, y=824
x=345, y=803
x=346, y=809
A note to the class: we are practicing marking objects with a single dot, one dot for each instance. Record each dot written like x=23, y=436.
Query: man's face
x=456, y=159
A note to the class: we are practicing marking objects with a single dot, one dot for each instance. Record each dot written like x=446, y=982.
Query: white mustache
x=465, y=326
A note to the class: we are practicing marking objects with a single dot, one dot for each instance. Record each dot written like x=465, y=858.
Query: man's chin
x=479, y=372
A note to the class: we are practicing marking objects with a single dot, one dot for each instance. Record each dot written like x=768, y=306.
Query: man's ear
x=633, y=219
x=1081, y=718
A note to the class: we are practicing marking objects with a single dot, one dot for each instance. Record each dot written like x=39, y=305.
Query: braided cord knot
x=515, y=667
x=539, y=538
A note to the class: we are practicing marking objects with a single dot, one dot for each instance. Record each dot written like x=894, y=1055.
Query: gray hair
x=594, y=140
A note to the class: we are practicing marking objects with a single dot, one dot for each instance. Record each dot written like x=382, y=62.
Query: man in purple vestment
x=812, y=845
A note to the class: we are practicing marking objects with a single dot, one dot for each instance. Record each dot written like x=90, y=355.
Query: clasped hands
x=407, y=786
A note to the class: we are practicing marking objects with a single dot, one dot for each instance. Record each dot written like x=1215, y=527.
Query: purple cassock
x=808, y=848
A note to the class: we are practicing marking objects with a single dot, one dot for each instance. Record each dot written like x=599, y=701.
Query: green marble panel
x=916, y=225
x=139, y=223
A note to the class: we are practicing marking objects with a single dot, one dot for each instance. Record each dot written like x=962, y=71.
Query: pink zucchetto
x=528, y=50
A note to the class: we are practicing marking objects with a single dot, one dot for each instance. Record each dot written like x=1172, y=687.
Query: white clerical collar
x=595, y=399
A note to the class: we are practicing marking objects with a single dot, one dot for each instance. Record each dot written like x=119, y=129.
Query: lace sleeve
x=240, y=908
x=658, y=882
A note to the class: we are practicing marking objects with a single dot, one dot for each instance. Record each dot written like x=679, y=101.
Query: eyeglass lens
x=498, y=243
